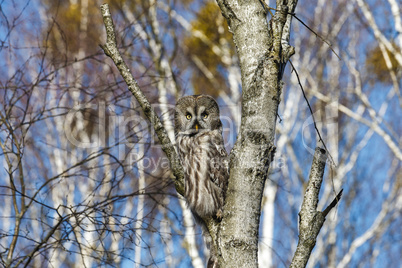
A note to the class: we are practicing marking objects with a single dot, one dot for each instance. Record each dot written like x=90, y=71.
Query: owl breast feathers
x=198, y=132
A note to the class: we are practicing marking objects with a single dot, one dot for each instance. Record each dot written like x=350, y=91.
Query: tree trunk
x=263, y=52
x=262, y=57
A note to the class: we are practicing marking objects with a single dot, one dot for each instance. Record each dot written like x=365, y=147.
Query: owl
x=198, y=132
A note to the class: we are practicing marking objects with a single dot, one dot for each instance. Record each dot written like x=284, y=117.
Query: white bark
x=266, y=248
x=254, y=147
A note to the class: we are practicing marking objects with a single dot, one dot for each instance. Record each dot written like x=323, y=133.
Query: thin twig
x=333, y=203
x=317, y=35
x=311, y=112
x=268, y=8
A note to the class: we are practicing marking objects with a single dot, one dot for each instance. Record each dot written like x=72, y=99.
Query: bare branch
x=318, y=35
x=311, y=220
x=110, y=49
x=312, y=114
x=40, y=244
x=333, y=203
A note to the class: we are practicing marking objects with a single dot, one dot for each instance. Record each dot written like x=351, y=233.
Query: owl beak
x=196, y=127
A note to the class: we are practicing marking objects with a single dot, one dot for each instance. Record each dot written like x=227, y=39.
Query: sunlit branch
x=110, y=49
x=311, y=220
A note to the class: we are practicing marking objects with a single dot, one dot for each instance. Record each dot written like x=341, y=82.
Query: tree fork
x=311, y=220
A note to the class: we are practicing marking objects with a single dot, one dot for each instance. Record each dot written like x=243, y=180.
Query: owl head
x=196, y=114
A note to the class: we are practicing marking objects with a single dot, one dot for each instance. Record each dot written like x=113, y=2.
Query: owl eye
x=205, y=116
x=188, y=116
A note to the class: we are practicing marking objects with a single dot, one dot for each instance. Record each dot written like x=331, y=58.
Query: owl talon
x=219, y=214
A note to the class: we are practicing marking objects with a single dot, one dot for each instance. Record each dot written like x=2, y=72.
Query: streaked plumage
x=198, y=132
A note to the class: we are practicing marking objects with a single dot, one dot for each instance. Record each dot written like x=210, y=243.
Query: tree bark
x=262, y=58
x=311, y=220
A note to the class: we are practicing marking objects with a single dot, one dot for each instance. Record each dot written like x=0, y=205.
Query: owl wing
x=219, y=174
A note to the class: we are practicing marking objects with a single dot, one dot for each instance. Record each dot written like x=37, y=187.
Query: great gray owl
x=198, y=132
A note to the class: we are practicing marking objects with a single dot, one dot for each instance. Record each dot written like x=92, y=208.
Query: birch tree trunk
x=263, y=53
x=262, y=58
